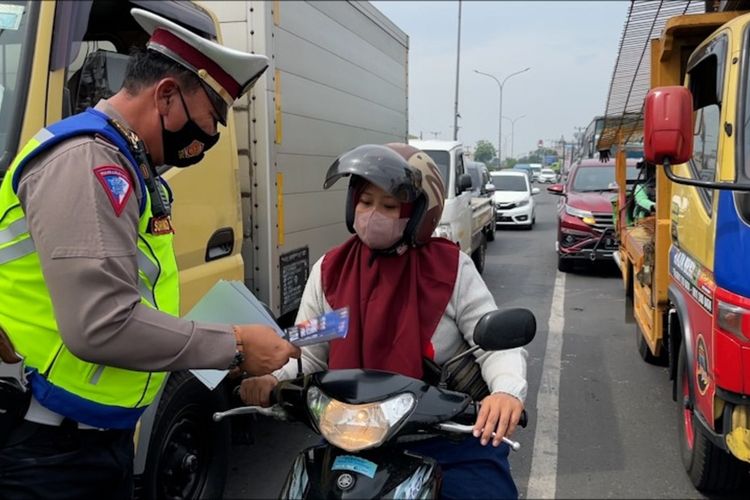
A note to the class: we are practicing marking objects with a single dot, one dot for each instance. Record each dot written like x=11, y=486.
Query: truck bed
x=482, y=214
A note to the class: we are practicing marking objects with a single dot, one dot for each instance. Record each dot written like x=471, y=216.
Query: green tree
x=484, y=151
x=510, y=162
x=532, y=158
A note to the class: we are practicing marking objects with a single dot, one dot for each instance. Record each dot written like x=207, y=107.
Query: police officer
x=89, y=291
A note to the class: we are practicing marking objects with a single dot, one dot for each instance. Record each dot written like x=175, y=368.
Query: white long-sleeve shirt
x=504, y=371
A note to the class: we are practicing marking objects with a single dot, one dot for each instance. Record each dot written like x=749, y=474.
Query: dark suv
x=585, y=226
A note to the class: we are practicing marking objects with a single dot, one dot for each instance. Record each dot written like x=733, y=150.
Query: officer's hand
x=256, y=391
x=499, y=413
x=264, y=350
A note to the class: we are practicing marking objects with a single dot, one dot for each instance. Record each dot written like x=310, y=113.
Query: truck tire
x=480, y=254
x=564, y=265
x=491, y=231
x=188, y=453
x=710, y=468
x=645, y=352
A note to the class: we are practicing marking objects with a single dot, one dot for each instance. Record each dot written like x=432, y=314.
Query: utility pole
x=458, y=62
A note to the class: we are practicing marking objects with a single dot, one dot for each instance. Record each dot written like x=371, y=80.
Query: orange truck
x=685, y=268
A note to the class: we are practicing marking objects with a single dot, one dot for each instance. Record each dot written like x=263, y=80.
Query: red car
x=585, y=226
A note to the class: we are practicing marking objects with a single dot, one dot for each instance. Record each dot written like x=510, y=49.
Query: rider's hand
x=256, y=391
x=499, y=413
x=264, y=350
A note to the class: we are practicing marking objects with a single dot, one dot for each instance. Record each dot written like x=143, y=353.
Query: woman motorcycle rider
x=411, y=297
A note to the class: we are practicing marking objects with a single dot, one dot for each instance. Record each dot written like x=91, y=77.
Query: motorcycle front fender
x=327, y=472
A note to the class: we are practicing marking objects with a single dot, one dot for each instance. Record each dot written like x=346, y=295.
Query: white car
x=513, y=199
x=547, y=175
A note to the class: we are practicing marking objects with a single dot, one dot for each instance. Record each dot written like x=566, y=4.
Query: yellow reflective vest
x=96, y=395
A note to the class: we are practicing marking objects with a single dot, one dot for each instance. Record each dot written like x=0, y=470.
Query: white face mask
x=378, y=231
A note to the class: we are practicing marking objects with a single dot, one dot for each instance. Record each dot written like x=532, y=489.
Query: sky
x=571, y=48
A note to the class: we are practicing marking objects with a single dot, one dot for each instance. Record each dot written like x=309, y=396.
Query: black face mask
x=188, y=145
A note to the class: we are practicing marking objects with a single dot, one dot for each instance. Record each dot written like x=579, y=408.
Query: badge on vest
x=160, y=225
x=117, y=185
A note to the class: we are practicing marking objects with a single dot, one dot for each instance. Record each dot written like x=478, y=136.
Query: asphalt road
x=616, y=434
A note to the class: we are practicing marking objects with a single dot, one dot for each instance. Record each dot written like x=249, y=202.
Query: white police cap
x=228, y=72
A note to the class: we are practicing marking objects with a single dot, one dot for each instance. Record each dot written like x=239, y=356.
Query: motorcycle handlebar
x=523, y=420
x=273, y=411
x=470, y=415
x=467, y=429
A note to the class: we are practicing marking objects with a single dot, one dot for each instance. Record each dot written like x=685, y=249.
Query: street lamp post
x=458, y=61
x=500, y=113
x=512, y=130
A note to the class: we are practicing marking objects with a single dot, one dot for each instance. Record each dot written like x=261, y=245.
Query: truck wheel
x=564, y=265
x=645, y=352
x=188, y=453
x=479, y=255
x=491, y=231
x=710, y=468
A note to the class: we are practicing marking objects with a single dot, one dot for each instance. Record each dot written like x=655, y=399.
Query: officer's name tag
x=161, y=225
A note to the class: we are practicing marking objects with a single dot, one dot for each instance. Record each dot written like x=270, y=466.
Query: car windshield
x=443, y=161
x=17, y=23
x=509, y=183
x=598, y=178
x=548, y=171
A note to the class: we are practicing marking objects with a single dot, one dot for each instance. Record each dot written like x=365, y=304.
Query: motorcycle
x=366, y=416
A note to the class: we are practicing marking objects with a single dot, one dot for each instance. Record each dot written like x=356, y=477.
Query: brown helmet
x=404, y=172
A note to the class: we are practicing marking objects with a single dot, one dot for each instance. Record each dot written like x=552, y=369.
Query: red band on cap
x=193, y=56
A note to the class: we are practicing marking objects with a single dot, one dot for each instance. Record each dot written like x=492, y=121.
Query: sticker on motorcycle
x=701, y=371
x=355, y=464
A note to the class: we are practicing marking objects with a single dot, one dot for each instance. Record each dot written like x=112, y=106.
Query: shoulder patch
x=117, y=184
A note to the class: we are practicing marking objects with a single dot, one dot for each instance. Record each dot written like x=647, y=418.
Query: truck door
x=463, y=204
x=694, y=209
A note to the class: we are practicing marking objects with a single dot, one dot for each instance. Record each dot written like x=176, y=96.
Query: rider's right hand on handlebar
x=256, y=391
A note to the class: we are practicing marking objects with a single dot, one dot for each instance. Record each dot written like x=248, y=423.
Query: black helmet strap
x=351, y=202
x=417, y=214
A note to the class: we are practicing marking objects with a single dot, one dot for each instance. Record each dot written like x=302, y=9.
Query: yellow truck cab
x=685, y=268
x=243, y=213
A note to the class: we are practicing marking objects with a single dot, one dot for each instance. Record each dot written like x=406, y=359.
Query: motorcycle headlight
x=357, y=427
x=584, y=215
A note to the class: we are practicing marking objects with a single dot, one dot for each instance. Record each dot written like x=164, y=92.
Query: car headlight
x=522, y=203
x=584, y=215
x=357, y=427
x=444, y=231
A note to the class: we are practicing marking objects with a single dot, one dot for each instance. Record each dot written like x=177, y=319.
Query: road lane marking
x=543, y=474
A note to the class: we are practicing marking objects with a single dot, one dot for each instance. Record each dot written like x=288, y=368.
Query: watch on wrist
x=237, y=360
x=239, y=353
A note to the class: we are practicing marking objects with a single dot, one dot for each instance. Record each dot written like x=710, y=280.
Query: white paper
x=228, y=302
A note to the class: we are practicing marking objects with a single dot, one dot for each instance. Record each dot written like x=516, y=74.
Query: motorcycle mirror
x=507, y=329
